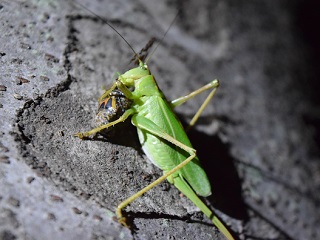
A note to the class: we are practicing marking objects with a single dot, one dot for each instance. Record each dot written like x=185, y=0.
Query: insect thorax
x=112, y=107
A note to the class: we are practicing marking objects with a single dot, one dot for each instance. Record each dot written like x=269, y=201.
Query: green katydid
x=136, y=93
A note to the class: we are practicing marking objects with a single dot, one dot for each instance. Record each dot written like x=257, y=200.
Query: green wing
x=166, y=155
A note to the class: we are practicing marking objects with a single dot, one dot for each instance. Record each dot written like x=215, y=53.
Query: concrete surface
x=257, y=140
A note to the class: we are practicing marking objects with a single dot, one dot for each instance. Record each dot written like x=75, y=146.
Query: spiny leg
x=126, y=202
x=147, y=125
x=100, y=128
x=213, y=84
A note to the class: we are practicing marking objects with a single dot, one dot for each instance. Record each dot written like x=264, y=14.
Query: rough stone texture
x=257, y=140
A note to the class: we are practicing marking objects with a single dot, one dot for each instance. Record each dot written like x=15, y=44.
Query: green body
x=162, y=153
x=161, y=134
x=163, y=138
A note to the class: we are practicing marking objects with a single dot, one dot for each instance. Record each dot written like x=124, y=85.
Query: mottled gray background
x=257, y=140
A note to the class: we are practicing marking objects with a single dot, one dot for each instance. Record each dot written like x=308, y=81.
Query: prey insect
x=136, y=94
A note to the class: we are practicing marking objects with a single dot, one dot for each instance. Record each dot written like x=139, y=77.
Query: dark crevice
x=41, y=167
x=23, y=137
x=61, y=87
x=19, y=135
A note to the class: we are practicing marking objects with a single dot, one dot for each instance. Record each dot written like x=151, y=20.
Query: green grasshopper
x=136, y=94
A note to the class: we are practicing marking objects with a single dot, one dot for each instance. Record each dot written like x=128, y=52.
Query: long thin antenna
x=106, y=22
x=171, y=24
x=143, y=52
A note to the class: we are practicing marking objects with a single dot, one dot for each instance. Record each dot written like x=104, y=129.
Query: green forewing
x=164, y=154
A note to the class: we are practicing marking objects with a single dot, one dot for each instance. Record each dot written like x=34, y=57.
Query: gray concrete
x=260, y=155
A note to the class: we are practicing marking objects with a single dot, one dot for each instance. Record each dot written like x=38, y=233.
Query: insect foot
x=79, y=135
x=123, y=222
